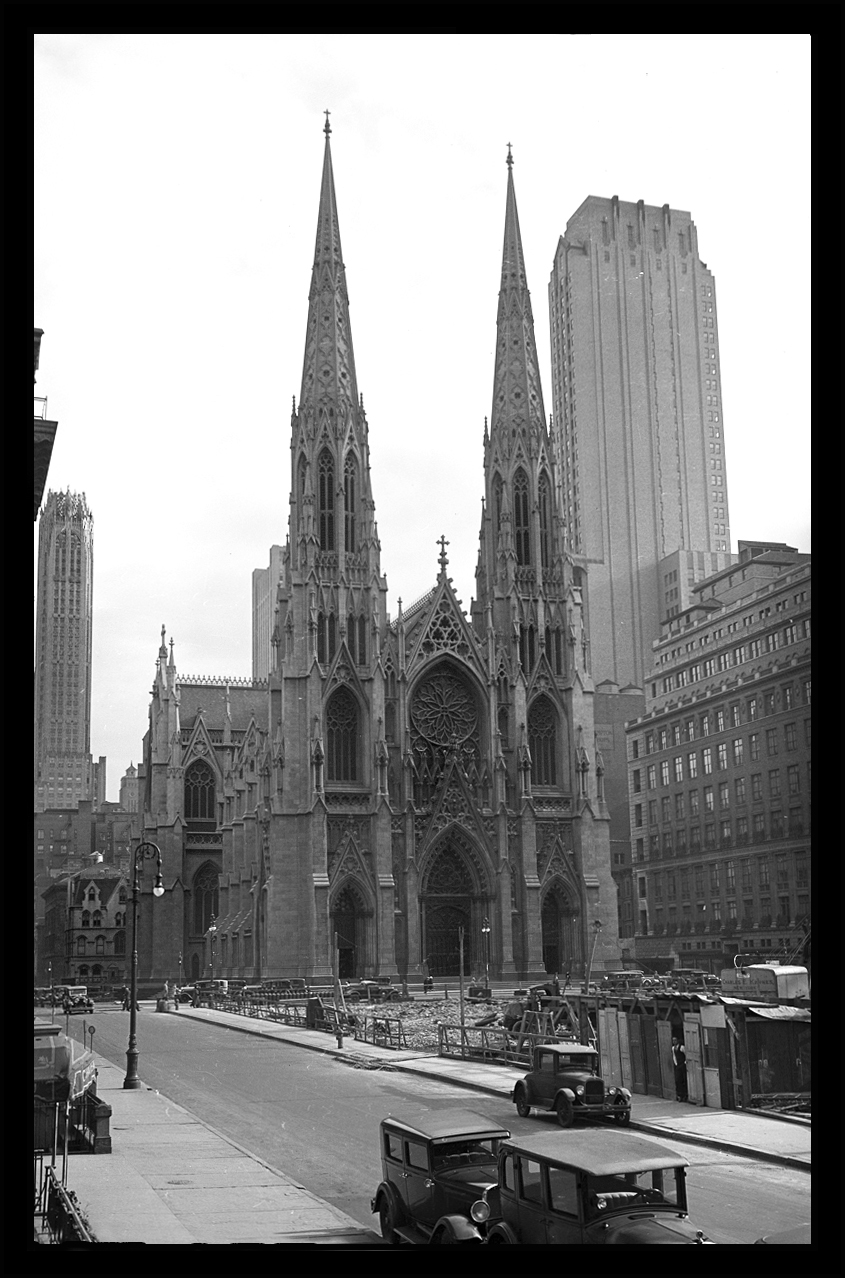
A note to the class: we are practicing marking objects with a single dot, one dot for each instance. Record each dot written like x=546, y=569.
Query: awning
x=781, y=1013
x=64, y=1069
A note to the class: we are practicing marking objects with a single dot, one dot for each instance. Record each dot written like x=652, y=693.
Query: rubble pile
x=420, y=1020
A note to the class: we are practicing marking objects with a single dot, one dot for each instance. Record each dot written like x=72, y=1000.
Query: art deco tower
x=638, y=422
x=63, y=769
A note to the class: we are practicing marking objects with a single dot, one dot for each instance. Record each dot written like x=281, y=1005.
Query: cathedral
x=396, y=787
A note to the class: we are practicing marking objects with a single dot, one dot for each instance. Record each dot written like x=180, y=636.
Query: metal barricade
x=381, y=1031
x=60, y=1214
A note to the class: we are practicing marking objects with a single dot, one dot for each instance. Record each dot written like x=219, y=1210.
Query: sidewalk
x=174, y=1179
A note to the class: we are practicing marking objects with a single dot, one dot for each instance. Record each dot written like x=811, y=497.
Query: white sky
x=177, y=181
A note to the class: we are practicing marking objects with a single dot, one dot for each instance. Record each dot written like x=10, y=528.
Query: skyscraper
x=638, y=424
x=63, y=767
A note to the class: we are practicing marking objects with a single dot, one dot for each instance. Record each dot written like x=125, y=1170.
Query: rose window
x=443, y=711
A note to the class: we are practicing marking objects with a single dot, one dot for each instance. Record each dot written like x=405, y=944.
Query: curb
x=711, y=1142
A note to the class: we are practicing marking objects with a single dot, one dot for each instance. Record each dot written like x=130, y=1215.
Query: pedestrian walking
x=125, y=999
x=679, y=1061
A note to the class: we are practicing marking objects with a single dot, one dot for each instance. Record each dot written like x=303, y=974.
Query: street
x=315, y=1118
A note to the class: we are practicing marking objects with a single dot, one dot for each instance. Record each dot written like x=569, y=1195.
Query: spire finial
x=443, y=543
x=510, y=157
x=327, y=128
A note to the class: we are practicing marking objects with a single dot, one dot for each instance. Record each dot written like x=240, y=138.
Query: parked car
x=589, y=1187
x=371, y=992
x=436, y=1169
x=565, y=1079
x=621, y=982
x=185, y=993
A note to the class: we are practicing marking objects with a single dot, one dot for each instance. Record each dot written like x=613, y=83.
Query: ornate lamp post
x=147, y=850
x=485, y=932
x=212, y=936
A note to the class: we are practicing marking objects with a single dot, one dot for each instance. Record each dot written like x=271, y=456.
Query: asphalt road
x=316, y=1119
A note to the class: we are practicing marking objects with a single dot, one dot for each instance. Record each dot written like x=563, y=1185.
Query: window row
x=730, y=876
x=119, y=946
x=753, y=650
x=675, y=807
x=728, y=833
x=719, y=754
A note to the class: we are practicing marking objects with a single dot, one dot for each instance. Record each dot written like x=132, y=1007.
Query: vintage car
x=436, y=1169
x=185, y=993
x=564, y=1079
x=371, y=992
x=588, y=1187
x=75, y=999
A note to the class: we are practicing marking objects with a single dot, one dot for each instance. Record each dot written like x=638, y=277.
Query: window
x=722, y=755
x=199, y=793
x=649, y=743
x=652, y=777
x=807, y=689
x=705, y=725
x=349, y=505
x=693, y=803
x=737, y=751
x=563, y=1196
x=679, y=807
x=708, y=798
x=531, y=1187
x=776, y=825
x=676, y=734
x=754, y=746
x=714, y=878
x=791, y=738
x=666, y=814
x=678, y=764
x=638, y=815
x=725, y=833
x=326, y=637
x=756, y=786
x=774, y=782
x=759, y=826
x=695, y=838
x=342, y=737
x=771, y=741
x=652, y=812
x=724, y=795
x=545, y=504
x=786, y=696
x=752, y=707
x=801, y=873
x=521, y=517
x=326, y=500
x=636, y=781
x=206, y=898
x=664, y=772
x=707, y=760
x=763, y=872
x=692, y=765
x=664, y=738
x=709, y=835
x=739, y=789
x=794, y=779
x=768, y=703
x=542, y=742
x=635, y=748
x=690, y=729
x=735, y=720
x=720, y=720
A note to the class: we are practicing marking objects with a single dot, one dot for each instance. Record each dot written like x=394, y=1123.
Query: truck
x=767, y=981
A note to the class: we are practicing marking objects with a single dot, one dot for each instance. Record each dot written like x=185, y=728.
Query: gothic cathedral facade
x=395, y=787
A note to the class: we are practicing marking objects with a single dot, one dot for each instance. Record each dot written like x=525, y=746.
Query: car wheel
x=521, y=1101
x=387, y=1221
x=446, y=1237
x=565, y=1112
x=622, y=1115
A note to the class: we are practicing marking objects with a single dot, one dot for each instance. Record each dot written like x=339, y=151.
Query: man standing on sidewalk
x=679, y=1060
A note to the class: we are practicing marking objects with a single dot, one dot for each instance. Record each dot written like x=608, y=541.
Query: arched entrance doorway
x=450, y=901
x=347, y=922
x=561, y=932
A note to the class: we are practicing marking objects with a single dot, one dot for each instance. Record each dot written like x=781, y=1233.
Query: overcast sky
x=177, y=182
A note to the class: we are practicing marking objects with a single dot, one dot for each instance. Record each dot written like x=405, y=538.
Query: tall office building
x=265, y=582
x=638, y=426
x=63, y=767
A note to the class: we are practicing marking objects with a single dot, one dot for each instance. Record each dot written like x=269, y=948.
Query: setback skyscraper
x=638, y=425
x=64, y=772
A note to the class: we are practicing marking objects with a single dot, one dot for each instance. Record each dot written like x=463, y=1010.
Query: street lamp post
x=147, y=850
x=596, y=932
x=485, y=930
x=212, y=936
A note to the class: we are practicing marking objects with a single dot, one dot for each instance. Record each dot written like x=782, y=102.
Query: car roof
x=571, y=1049
x=600, y=1153
x=444, y=1124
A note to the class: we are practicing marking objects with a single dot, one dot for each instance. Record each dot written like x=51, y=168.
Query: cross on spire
x=443, y=543
x=510, y=157
x=327, y=128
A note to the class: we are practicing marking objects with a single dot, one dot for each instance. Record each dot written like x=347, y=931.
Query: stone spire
x=329, y=387
x=517, y=397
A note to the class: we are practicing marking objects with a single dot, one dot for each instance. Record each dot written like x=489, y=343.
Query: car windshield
x=577, y=1060
x=465, y=1153
x=662, y=1188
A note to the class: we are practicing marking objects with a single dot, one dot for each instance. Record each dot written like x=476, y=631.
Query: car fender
x=523, y=1082
x=464, y=1230
x=564, y=1091
x=390, y=1192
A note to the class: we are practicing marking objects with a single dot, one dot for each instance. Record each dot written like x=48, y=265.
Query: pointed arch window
x=497, y=501
x=86, y=919
x=301, y=471
x=326, y=500
x=545, y=504
x=542, y=742
x=206, y=898
x=342, y=737
x=521, y=521
x=554, y=649
x=326, y=637
x=527, y=648
x=199, y=792
x=349, y=499
x=120, y=943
